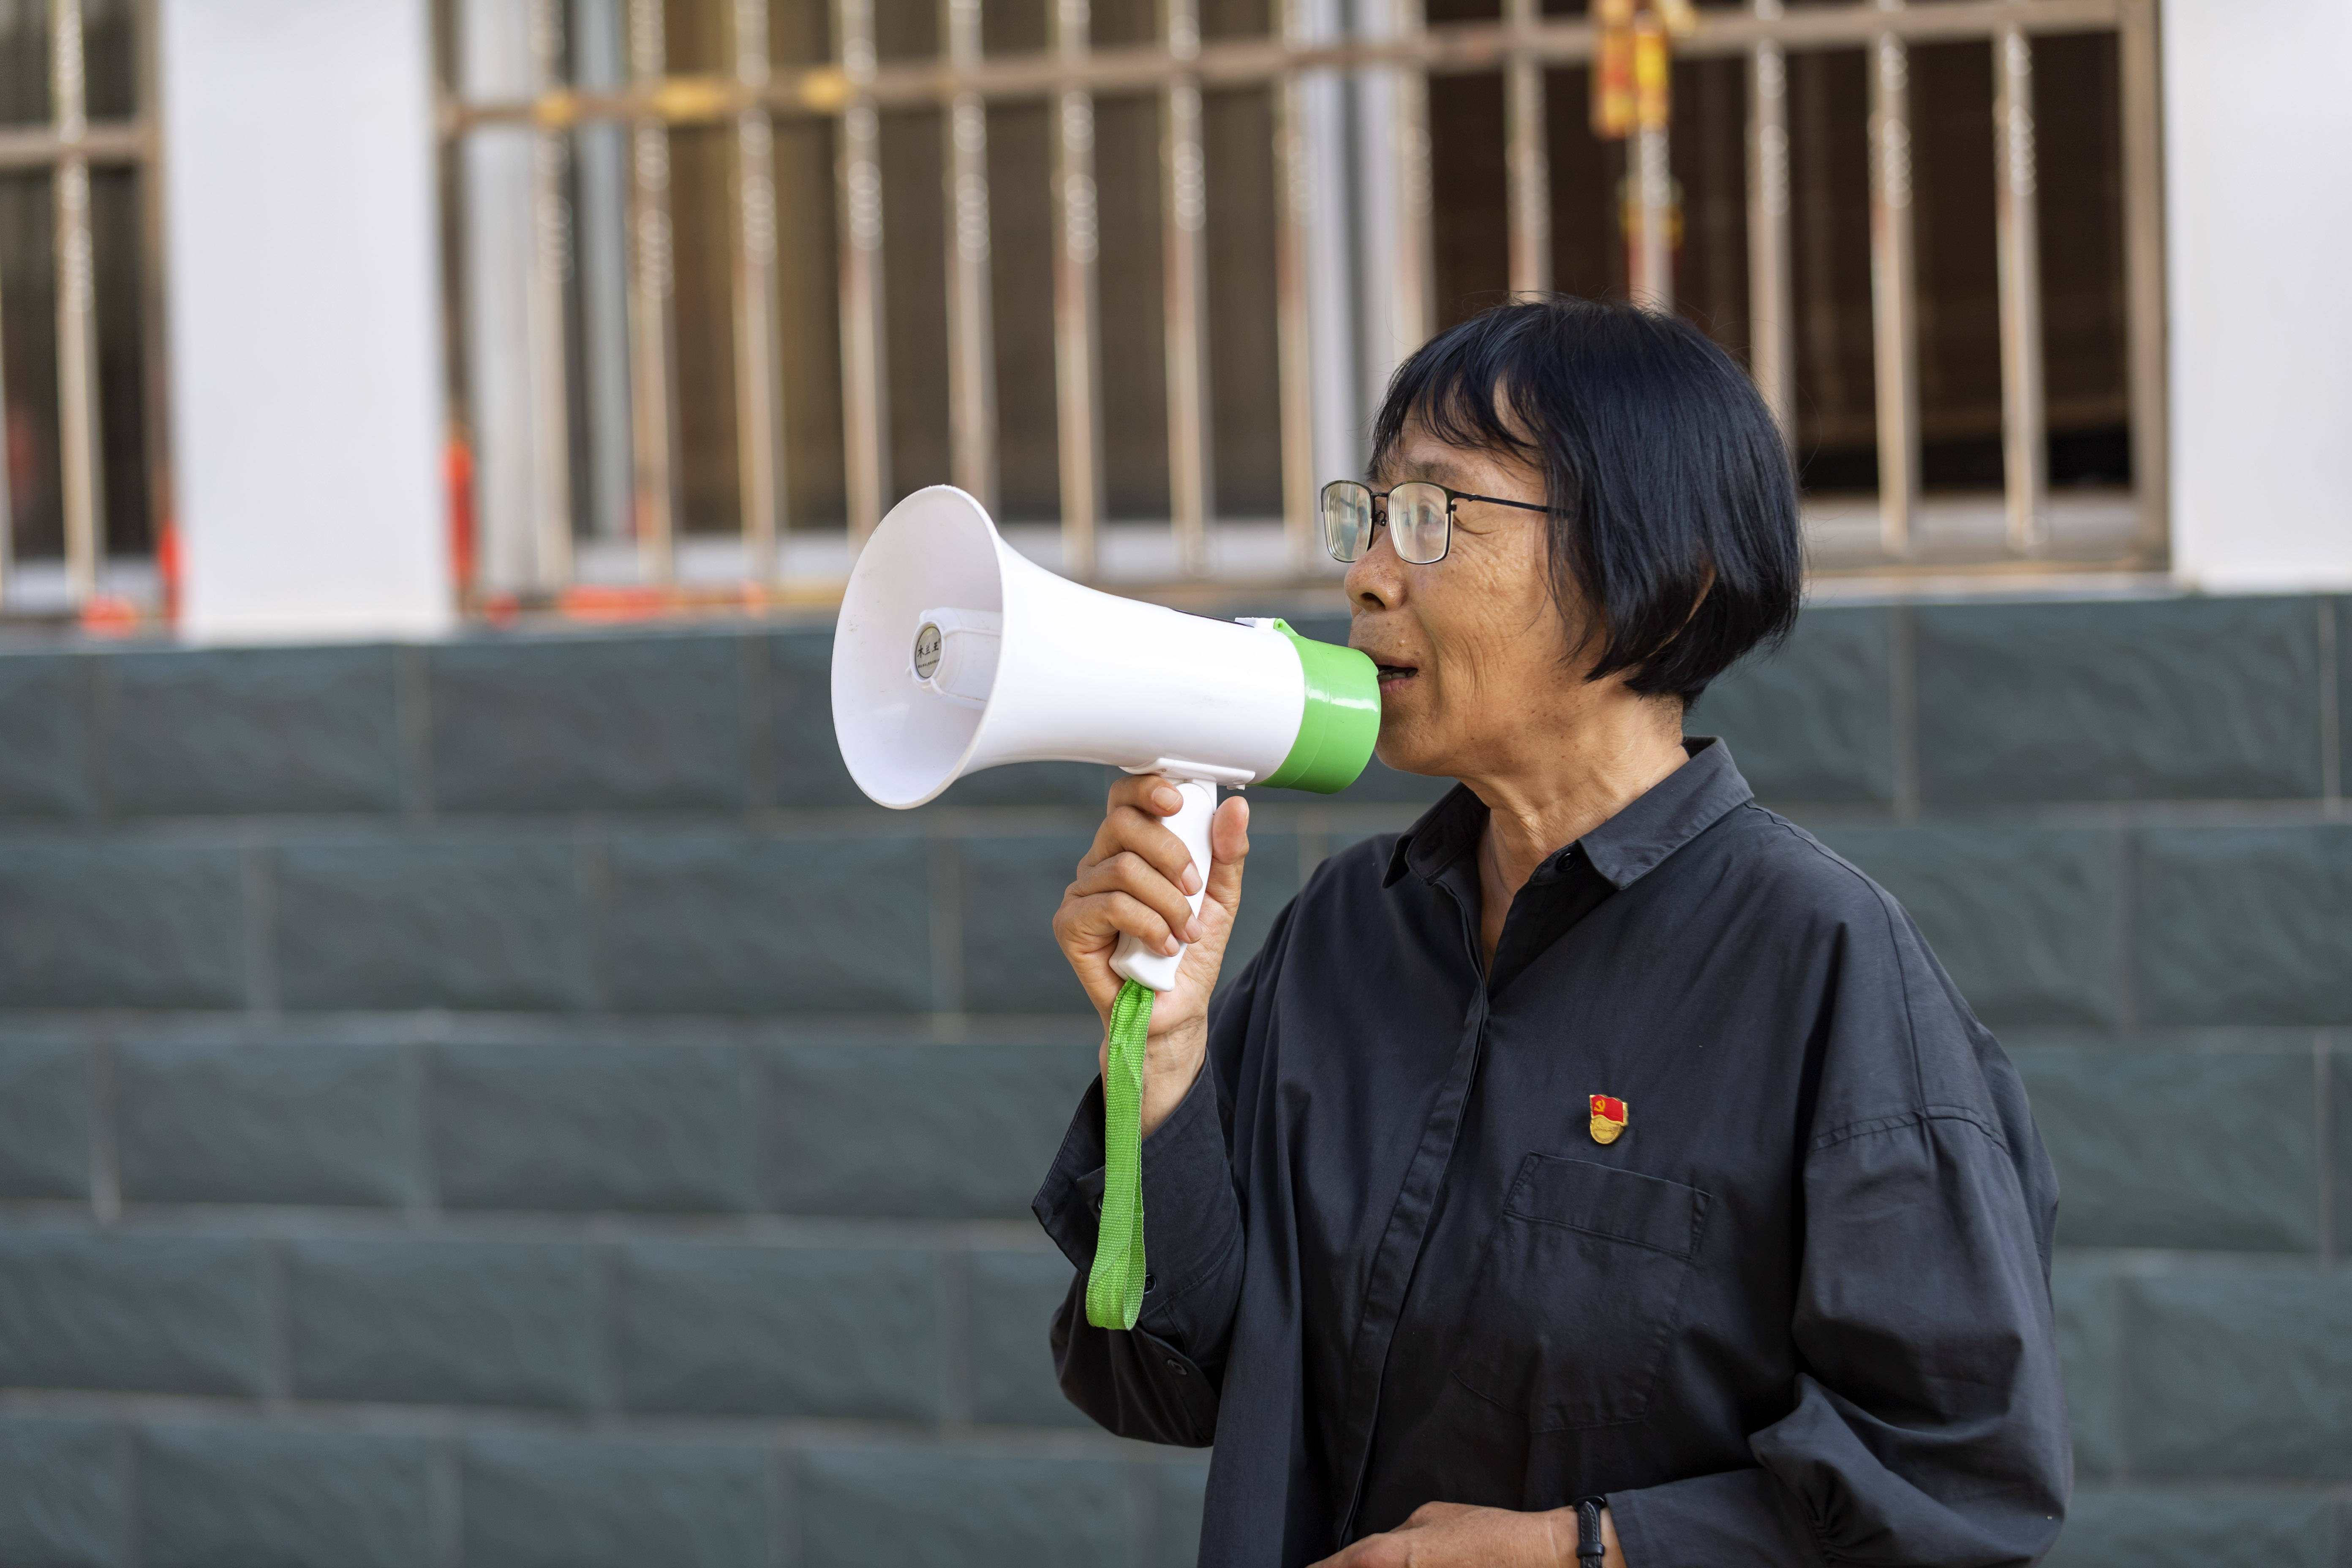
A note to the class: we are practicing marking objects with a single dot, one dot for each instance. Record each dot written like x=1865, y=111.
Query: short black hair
x=1672, y=502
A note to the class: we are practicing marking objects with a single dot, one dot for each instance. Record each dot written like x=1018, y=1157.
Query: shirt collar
x=1624, y=849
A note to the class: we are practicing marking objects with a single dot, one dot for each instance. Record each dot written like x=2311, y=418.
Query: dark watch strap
x=1588, y=1548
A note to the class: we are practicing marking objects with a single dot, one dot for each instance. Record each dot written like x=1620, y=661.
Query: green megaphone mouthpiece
x=1341, y=722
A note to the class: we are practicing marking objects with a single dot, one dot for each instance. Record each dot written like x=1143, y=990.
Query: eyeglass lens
x=1347, y=520
x=1418, y=526
x=1417, y=522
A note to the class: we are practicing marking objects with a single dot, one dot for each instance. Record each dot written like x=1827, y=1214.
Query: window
x=728, y=276
x=80, y=510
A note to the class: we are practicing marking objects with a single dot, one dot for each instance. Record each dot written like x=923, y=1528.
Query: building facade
x=482, y=1089
x=625, y=307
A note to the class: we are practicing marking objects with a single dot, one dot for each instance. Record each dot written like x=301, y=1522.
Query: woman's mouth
x=1395, y=674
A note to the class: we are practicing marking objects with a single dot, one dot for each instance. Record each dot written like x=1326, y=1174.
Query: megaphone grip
x=1131, y=959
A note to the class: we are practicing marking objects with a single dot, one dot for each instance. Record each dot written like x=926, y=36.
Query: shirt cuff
x=1188, y=1209
x=1737, y=1518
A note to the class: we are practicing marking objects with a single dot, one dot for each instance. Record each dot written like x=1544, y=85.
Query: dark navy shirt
x=1798, y=1311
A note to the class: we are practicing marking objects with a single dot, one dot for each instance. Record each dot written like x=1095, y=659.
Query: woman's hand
x=1456, y=1535
x=1134, y=881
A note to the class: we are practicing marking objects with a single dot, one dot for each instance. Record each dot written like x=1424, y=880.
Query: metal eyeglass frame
x=1377, y=502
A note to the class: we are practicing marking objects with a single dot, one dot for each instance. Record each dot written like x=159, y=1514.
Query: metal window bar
x=1184, y=221
x=972, y=339
x=1650, y=250
x=1239, y=61
x=544, y=294
x=759, y=355
x=1413, y=313
x=1077, y=327
x=1650, y=279
x=1894, y=289
x=78, y=407
x=155, y=418
x=1178, y=65
x=865, y=414
x=652, y=357
x=1294, y=363
x=2023, y=458
x=1528, y=170
x=2144, y=273
x=1771, y=351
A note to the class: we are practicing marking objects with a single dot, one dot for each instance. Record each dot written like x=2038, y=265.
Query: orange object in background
x=1632, y=78
x=1652, y=76
x=617, y=604
x=110, y=616
x=1612, y=70
x=457, y=475
x=167, y=570
x=118, y=616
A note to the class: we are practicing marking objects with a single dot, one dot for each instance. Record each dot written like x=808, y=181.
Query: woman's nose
x=1376, y=579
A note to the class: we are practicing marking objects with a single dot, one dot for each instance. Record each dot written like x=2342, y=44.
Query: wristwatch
x=1589, y=1550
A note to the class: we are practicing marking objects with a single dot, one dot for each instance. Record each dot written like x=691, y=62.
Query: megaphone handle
x=1190, y=824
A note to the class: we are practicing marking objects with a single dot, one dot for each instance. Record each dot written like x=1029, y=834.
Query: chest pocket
x=1580, y=1292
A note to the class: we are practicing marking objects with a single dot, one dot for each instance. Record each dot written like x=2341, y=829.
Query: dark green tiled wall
x=539, y=1110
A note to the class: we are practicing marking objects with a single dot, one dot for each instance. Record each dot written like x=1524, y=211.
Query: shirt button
x=1176, y=1366
x=1150, y=1282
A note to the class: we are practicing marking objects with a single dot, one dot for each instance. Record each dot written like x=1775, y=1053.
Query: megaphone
x=953, y=653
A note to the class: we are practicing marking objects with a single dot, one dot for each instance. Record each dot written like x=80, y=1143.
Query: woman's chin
x=1403, y=755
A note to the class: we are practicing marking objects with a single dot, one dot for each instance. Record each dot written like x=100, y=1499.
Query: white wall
x=305, y=317
x=2257, y=186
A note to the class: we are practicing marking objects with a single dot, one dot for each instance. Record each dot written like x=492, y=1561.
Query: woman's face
x=1472, y=649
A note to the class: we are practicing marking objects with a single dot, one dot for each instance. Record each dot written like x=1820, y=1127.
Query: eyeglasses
x=1420, y=518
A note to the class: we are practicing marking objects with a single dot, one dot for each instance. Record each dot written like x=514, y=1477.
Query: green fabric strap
x=1115, y=1284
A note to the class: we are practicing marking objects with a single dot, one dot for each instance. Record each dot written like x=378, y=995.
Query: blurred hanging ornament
x=1612, y=70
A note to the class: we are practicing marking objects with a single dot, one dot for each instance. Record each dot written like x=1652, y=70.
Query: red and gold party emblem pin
x=1608, y=1118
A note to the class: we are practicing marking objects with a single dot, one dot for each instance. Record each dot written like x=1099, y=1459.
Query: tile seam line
x=572, y=1424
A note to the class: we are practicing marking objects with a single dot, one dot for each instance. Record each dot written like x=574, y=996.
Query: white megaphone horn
x=953, y=654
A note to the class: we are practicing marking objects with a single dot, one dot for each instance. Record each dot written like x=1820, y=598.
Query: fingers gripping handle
x=1132, y=959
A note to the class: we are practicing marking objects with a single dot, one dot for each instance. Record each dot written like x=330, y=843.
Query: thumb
x=1228, y=853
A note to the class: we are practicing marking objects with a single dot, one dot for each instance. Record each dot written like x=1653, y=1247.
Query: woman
x=1603, y=1139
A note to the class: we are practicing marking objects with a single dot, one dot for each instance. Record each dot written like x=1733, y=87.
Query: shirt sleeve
x=1929, y=1428
x=1159, y=1381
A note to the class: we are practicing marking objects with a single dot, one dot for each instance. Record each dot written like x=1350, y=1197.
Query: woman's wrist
x=1566, y=1537
x=1172, y=1066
